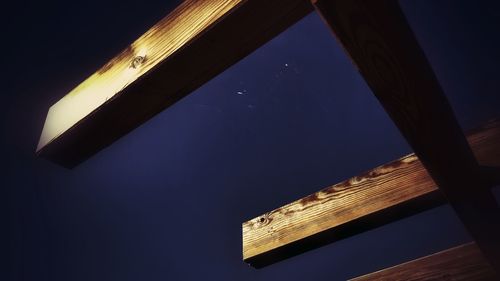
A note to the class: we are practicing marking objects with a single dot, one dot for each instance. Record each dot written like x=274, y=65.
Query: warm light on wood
x=370, y=199
x=160, y=42
x=190, y=46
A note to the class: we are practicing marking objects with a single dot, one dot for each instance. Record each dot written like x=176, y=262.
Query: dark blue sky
x=166, y=202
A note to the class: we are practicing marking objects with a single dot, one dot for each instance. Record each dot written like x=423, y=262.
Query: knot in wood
x=137, y=61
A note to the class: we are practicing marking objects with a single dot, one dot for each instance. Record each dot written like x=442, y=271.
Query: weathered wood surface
x=461, y=263
x=381, y=195
x=381, y=44
x=191, y=45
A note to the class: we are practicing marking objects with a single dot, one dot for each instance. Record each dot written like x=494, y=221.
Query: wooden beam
x=384, y=194
x=191, y=45
x=461, y=263
x=381, y=44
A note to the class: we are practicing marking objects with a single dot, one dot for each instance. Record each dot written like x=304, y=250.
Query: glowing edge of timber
x=190, y=46
x=384, y=194
x=161, y=41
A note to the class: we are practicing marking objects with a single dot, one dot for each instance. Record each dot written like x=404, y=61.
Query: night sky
x=166, y=201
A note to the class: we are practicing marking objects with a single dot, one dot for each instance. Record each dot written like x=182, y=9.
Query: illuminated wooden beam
x=461, y=263
x=191, y=45
x=379, y=196
x=380, y=42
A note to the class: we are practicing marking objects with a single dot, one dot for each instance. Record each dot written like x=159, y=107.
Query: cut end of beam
x=382, y=195
x=190, y=46
x=165, y=38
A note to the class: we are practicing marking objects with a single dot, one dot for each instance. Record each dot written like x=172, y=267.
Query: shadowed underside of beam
x=380, y=42
x=391, y=191
x=191, y=45
x=461, y=263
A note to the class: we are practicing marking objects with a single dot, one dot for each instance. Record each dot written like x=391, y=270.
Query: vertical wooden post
x=381, y=44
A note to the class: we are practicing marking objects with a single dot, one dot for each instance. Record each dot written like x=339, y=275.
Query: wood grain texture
x=379, y=196
x=194, y=43
x=381, y=44
x=461, y=263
